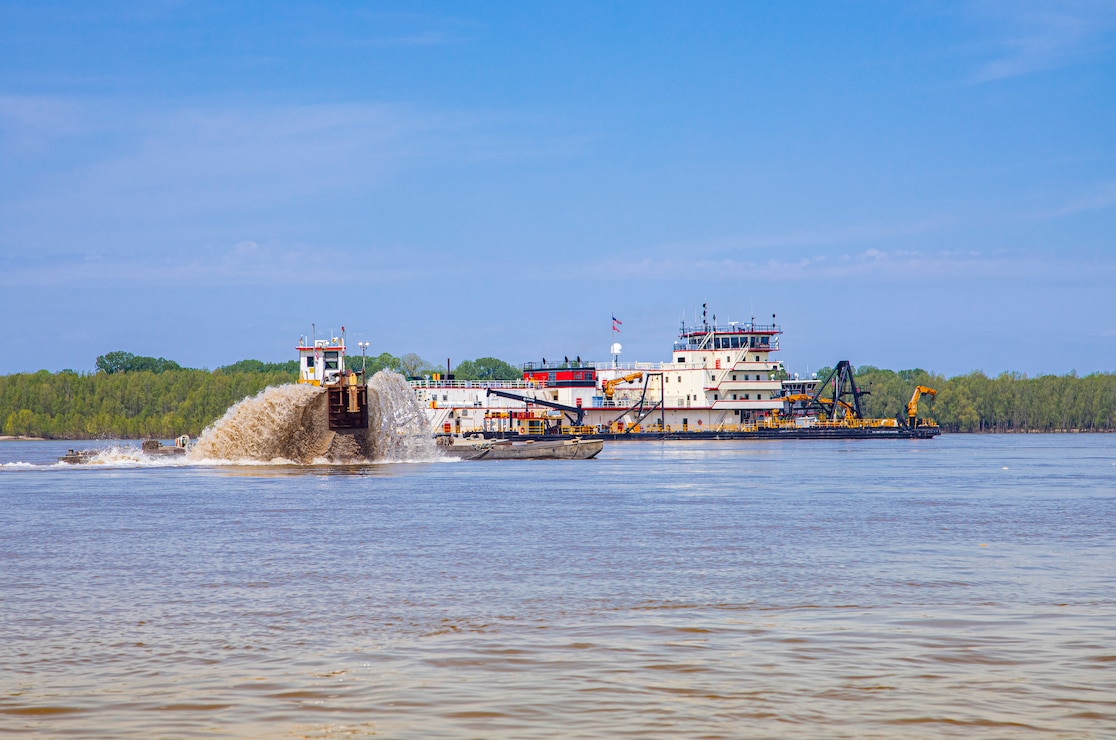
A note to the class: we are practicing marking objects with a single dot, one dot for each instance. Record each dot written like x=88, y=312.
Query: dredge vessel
x=721, y=383
x=321, y=362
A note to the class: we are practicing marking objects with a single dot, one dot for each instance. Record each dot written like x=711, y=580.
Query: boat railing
x=691, y=345
x=561, y=365
x=653, y=366
x=732, y=327
x=476, y=384
x=602, y=369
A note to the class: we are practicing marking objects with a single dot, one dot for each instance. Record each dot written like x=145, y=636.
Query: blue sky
x=916, y=184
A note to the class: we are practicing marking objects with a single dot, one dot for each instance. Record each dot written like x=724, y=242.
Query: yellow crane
x=609, y=386
x=850, y=412
x=912, y=405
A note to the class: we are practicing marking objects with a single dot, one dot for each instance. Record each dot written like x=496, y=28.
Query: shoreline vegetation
x=131, y=397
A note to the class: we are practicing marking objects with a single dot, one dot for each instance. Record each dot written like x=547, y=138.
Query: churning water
x=287, y=422
x=959, y=587
x=290, y=423
x=397, y=425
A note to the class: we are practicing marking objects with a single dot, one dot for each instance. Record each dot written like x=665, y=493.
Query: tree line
x=132, y=397
x=1009, y=402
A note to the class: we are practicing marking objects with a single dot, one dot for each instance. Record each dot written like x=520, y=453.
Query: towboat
x=723, y=381
x=321, y=363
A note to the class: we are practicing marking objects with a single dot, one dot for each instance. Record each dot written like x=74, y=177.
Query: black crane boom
x=580, y=412
x=840, y=384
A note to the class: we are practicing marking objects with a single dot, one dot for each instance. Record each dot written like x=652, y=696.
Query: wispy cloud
x=243, y=264
x=416, y=39
x=1036, y=35
x=31, y=124
x=851, y=269
x=115, y=172
x=815, y=237
x=362, y=27
x=1102, y=198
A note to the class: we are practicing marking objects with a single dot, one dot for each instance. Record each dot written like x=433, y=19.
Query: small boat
x=78, y=457
x=149, y=447
x=562, y=449
x=156, y=448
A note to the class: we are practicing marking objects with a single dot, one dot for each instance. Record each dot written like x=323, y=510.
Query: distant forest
x=1009, y=402
x=132, y=397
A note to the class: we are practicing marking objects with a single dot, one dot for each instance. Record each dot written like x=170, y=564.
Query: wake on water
x=289, y=423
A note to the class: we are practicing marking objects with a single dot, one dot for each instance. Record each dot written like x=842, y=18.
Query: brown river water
x=957, y=587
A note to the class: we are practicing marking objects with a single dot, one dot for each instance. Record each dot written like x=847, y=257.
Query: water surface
x=958, y=587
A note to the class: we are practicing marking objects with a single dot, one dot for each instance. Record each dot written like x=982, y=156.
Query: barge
x=505, y=449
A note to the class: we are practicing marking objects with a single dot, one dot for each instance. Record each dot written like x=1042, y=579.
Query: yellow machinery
x=912, y=405
x=826, y=403
x=609, y=386
x=850, y=412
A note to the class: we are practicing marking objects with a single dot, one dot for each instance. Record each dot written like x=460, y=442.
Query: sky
x=916, y=184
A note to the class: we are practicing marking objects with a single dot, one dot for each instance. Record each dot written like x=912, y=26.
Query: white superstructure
x=718, y=378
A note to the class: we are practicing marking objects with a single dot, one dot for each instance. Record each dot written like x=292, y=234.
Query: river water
x=957, y=587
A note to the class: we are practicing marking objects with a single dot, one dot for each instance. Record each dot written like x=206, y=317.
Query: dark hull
x=758, y=434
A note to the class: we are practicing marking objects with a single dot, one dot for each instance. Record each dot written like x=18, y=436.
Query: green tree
x=255, y=366
x=126, y=362
x=20, y=423
x=166, y=403
x=486, y=368
x=413, y=366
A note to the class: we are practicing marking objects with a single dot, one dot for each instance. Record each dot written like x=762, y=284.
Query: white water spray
x=290, y=423
x=397, y=426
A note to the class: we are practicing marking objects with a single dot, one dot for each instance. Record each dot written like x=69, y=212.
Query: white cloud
x=1037, y=35
x=30, y=124
x=844, y=271
x=113, y=174
x=1100, y=199
x=107, y=167
x=812, y=237
x=243, y=264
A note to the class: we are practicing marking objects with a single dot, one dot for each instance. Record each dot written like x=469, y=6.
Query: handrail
x=478, y=384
